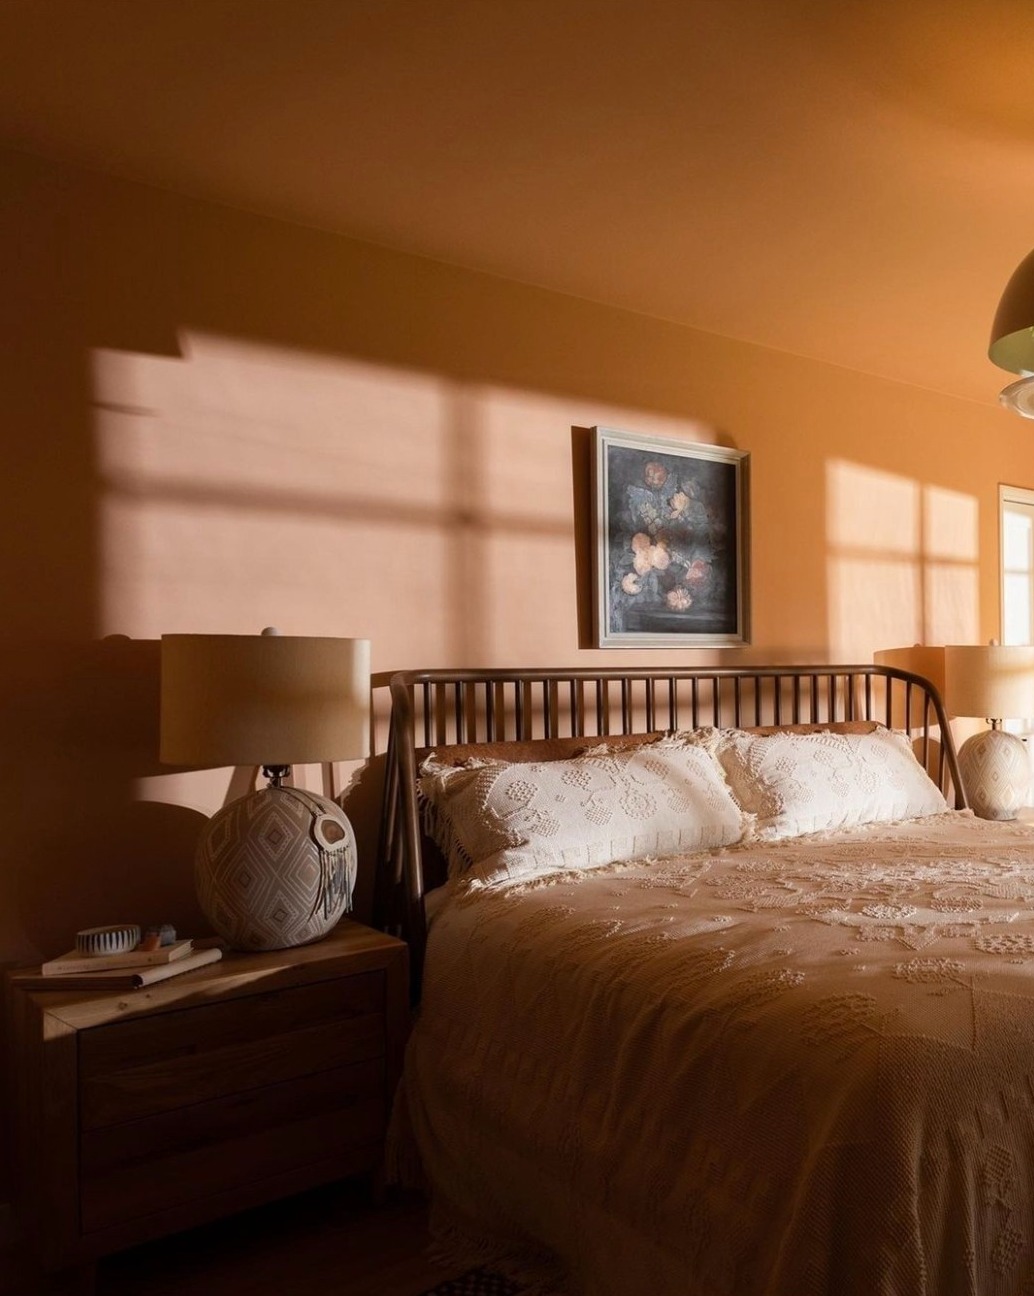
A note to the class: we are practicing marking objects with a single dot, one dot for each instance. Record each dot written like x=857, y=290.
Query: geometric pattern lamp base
x=276, y=869
x=995, y=770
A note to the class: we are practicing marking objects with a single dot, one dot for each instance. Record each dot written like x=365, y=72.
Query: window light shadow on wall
x=902, y=562
x=244, y=488
x=246, y=485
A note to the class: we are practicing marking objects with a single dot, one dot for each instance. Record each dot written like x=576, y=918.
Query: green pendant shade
x=1012, y=334
x=1012, y=338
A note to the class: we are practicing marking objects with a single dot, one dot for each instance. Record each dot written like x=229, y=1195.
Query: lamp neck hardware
x=276, y=774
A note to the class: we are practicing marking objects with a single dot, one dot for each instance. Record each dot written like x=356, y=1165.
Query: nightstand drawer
x=132, y=1170
x=138, y=1114
x=191, y=1030
x=133, y=1070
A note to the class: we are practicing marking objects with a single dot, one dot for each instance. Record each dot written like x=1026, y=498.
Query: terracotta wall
x=216, y=422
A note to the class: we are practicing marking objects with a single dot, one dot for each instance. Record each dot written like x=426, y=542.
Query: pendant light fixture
x=1012, y=338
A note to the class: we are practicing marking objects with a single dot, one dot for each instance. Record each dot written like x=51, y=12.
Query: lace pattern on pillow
x=804, y=783
x=507, y=820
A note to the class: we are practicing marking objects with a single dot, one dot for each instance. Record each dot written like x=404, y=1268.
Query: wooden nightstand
x=140, y=1113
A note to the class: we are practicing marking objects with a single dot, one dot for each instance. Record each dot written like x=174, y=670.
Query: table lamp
x=276, y=868
x=994, y=682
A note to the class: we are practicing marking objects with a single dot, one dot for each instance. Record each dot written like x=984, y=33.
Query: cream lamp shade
x=994, y=682
x=276, y=868
x=264, y=699
x=1012, y=338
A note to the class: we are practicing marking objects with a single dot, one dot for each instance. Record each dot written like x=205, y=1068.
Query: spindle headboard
x=522, y=712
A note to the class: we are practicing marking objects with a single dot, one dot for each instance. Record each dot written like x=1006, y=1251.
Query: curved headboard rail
x=436, y=709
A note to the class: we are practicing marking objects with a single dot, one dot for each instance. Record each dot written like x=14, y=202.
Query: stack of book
x=129, y=971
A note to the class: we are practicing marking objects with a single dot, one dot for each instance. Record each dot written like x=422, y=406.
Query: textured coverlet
x=782, y=1069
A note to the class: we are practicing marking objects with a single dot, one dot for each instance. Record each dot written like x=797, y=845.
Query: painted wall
x=216, y=422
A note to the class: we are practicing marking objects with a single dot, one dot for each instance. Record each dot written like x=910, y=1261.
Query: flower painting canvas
x=671, y=543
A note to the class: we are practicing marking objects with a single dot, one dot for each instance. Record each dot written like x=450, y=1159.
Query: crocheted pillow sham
x=504, y=820
x=797, y=783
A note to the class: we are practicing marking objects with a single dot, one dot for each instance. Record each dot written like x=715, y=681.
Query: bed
x=722, y=990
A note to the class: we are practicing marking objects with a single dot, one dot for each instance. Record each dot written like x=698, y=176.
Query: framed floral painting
x=671, y=543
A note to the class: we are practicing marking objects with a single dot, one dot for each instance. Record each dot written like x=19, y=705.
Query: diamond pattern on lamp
x=263, y=879
x=995, y=770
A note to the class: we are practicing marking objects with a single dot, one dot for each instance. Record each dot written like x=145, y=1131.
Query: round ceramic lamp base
x=276, y=869
x=995, y=771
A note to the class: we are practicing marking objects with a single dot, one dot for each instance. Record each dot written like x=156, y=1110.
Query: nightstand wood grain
x=143, y=1112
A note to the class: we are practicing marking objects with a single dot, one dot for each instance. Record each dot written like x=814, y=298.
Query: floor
x=331, y=1242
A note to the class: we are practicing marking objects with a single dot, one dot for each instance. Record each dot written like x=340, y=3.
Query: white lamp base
x=276, y=869
x=995, y=771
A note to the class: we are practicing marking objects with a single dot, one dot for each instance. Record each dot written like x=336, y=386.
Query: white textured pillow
x=503, y=820
x=800, y=783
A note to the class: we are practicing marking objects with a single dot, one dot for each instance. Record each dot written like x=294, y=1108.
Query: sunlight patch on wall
x=248, y=485
x=902, y=562
x=950, y=525
x=527, y=422
x=246, y=488
x=951, y=548
x=240, y=419
x=868, y=510
x=526, y=562
x=873, y=604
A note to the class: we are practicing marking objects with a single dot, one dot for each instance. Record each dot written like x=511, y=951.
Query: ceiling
x=852, y=182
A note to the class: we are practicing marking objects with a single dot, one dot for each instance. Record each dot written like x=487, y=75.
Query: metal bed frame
x=437, y=709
